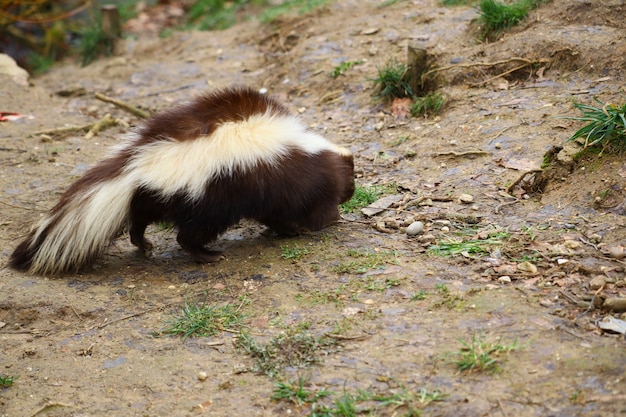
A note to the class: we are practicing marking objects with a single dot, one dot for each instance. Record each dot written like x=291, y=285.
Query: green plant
x=417, y=296
x=6, y=380
x=203, y=320
x=392, y=82
x=295, y=348
x=496, y=17
x=605, y=128
x=297, y=393
x=364, y=261
x=427, y=105
x=94, y=42
x=293, y=252
x=289, y=6
x=364, y=196
x=478, y=355
x=449, y=3
x=343, y=67
x=477, y=244
x=39, y=63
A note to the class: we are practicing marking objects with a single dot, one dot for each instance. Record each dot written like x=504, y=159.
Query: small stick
x=521, y=178
x=499, y=75
x=487, y=64
x=63, y=130
x=466, y=153
x=508, y=203
x=124, y=106
x=105, y=122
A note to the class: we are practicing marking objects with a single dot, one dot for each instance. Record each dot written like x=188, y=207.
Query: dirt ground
x=84, y=344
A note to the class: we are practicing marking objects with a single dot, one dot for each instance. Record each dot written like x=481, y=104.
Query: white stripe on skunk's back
x=170, y=166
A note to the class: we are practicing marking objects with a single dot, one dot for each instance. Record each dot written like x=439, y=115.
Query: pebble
x=415, y=228
x=466, y=198
x=617, y=252
x=597, y=282
x=505, y=279
x=202, y=376
x=527, y=267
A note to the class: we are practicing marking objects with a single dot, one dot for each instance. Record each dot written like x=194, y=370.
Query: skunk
x=203, y=166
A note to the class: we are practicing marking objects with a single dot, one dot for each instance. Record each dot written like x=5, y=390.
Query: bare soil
x=84, y=344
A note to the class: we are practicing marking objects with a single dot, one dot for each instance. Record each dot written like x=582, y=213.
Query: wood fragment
x=63, y=131
x=526, y=61
x=466, y=153
x=104, y=123
x=521, y=178
x=123, y=105
x=47, y=406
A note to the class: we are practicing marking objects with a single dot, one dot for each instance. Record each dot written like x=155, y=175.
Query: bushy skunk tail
x=90, y=214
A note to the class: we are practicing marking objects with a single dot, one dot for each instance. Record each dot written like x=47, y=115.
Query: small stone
x=617, y=252
x=505, y=279
x=595, y=238
x=426, y=202
x=572, y=244
x=427, y=238
x=562, y=261
x=597, y=282
x=379, y=126
x=415, y=228
x=466, y=198
x=369, y=31
x=527, y=267
x=445, y=229
x=202, y=376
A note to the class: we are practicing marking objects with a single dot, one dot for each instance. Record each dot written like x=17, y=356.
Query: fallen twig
x=105, y=122
x=508, y=203
x=466, y=153
x=123, y=105
x=63, y=130
x=49, y=405
x=526, y=62
x=521, y=178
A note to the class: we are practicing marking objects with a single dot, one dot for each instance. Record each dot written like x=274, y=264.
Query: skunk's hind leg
x=192, y=238
x=145, y=209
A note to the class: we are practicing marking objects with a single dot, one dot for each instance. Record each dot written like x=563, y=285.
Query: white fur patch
x=84, y=227
x=171, y=166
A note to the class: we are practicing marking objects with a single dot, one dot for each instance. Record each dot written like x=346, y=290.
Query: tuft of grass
x=418, y=296
x=363, y=261
x=343, y=67
x=297, y=393
x=496, y=17
x=427, y=105
x=290, y=6
x=391, y=82
x=364, y=196
x=478, y=355
x=605, y=128
x=296, y=347
x=200, y=320
x=94, y=42
x=6, y=381
x=449, y=3
x=479, y=244
x=293, y=252
x=39, y=64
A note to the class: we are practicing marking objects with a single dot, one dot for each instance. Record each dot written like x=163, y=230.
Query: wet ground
x=87, y=344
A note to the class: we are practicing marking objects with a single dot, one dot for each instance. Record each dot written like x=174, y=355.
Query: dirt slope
x=83, y=344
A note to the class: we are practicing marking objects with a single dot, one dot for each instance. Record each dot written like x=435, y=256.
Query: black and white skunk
x=204, y=165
